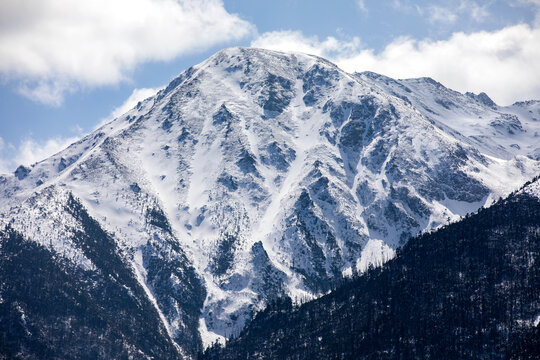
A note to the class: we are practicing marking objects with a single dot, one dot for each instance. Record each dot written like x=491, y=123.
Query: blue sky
x=67, y=66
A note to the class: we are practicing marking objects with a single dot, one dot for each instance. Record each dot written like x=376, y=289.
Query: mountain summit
x=253, y=175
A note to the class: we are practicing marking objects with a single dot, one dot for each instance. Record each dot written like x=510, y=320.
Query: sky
x=67, y=66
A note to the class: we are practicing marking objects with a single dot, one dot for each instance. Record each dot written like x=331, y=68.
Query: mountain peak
x=482, y=98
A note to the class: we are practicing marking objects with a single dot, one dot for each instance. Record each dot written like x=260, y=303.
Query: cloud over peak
x=53, y=46
x=502, y=63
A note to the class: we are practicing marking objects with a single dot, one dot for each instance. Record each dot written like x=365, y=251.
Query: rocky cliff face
x=257, y=174
x=468, y=290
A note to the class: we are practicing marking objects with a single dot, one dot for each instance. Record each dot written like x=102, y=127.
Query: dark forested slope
x=51, y=309
x=470, y=290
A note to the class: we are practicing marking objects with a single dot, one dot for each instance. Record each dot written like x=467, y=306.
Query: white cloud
x=49, y=92
x=528, y=2
x=447, y=13
x=136, y=96
x=30, y=151
x=4, y=163
x=478, y=13
x=502, y=63
x=439, y=14
x=401, y=6
x=536, y=5
x=296, y=41
x=450, y=14
x=55, y=46
x=361, y=4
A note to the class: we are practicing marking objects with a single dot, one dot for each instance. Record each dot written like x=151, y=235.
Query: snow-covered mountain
x=258, y=173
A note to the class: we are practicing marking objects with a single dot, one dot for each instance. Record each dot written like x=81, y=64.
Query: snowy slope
x=501, y=131
x=266, y=173
x=532, y=188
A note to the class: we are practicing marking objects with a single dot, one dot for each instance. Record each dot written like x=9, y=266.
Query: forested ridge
x=469, y=290
x=51, y=309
